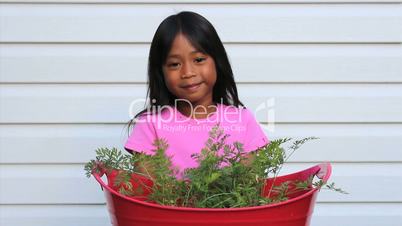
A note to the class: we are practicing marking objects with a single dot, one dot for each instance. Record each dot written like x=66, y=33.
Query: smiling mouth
x=192, y=87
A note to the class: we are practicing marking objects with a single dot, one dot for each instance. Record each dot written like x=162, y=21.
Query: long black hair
x=203, y=36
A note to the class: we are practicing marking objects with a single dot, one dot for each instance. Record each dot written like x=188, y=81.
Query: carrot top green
x=225, y=176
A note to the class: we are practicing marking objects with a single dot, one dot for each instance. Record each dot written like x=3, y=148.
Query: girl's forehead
x=181, y=46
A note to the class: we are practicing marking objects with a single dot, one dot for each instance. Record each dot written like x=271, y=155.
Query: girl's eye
x=173, y=64
x=200, y=59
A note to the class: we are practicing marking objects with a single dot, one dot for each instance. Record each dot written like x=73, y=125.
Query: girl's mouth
x=192, y=87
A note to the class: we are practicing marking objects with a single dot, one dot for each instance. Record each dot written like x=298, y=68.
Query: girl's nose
x=188, y=71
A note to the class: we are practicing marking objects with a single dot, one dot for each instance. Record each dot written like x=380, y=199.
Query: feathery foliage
x=226, y=176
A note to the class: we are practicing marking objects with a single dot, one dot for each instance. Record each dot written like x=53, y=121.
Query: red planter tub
x=296, y=211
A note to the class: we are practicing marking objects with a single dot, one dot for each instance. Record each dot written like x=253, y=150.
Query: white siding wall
x=70, y=70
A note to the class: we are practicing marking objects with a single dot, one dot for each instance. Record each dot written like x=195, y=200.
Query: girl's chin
x=194, y=97
x=190, y=101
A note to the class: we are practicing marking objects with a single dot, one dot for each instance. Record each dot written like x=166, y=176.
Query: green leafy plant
x=226, y=176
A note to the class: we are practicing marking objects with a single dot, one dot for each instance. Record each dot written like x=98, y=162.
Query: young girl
x=190, y=89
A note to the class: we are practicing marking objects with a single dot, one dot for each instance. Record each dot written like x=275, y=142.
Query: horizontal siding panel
x=51, y=215
x=292, y=103
x=328, y=214
x=361, y=214
x=61, y=143
x=335, y=23
x=103, y=63
x=66, y=184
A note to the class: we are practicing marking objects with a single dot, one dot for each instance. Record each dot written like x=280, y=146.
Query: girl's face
x=189, y=74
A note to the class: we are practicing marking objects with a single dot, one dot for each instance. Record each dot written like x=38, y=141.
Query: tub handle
x=324, y=171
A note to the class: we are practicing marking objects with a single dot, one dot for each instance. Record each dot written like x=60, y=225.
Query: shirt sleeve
x=142, y=137
x=255, y=136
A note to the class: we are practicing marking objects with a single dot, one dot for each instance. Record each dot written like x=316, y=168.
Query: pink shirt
x=186, y=136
